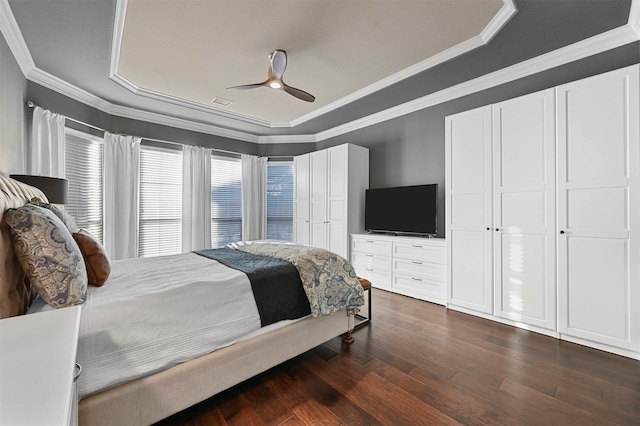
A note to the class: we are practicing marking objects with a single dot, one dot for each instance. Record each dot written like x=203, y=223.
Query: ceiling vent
x=221, y=101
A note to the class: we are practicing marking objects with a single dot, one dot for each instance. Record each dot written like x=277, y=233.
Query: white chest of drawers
x=406, y=265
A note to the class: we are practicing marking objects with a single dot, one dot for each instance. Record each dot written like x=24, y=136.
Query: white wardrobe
x=329, y=196
x=543, y=211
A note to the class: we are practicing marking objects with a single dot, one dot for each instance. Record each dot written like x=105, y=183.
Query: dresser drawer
x=368, y=260
x=379, y=278
x=419, y=287
x=371, y=246
x=419, y=251
x=433, y=271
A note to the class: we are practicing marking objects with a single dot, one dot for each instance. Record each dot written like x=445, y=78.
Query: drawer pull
x=370, y=241
x=416, y=279
x=416, y=246
x=369, y=255
x=78, y=372
x=416, y=263
x=369, y=269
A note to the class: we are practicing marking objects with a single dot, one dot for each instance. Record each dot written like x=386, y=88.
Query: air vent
x=221, y=101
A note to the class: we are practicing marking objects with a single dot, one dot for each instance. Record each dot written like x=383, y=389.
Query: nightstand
x=38, y=366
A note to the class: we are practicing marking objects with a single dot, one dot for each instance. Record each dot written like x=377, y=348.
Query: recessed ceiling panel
x=194, y=50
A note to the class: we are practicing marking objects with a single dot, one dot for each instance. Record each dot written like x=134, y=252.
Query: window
x=83, y=170
x=280, y=201
x=160, y=201
x=226, y=200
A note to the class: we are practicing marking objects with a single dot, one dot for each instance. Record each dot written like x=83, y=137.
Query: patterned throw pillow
x=48, y=255
x=62, y=214
x=95, y=257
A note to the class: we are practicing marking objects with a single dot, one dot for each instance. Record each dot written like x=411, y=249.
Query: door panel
x=524, y=209
x=598, y=178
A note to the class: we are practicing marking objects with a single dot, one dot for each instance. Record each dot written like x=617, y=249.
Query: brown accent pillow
x=95, y=257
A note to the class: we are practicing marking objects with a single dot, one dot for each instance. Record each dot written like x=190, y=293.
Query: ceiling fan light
x=275, y=85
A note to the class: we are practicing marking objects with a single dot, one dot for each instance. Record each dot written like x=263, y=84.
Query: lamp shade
x=55, y=189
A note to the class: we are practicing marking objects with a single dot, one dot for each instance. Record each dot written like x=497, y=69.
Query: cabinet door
x=318, y=186
x=598, y=180
x=337, y=172
x=302, y=199
x=524, y=209
x=468, y=213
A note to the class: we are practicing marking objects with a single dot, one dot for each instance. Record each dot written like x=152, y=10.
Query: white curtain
x=254, y=197
x=196, y=198
x=121, y=183
x=46, y=153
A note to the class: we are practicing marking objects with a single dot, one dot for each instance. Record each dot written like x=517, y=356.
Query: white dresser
x=406, y=265
x=37, y=366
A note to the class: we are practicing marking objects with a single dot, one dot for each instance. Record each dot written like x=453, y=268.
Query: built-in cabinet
x=411, y=266
x=540, y=193
x=329, y=196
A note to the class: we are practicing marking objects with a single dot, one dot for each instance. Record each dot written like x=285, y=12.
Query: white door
x=524, y=209
x=468, y=213
x=318, y=210
x=302, y=199
x=598, y=209
x=337, y=158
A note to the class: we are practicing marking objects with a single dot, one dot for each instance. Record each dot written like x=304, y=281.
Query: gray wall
x=409, y=150
x=13, y=87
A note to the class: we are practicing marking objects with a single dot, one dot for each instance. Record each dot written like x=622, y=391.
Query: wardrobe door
x=468, y=213
x=598, y=209
x=302, y=199
x=318, y=186
x=337, y=180
x=524, y=209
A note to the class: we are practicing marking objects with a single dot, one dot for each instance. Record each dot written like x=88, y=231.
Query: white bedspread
x=186, y=304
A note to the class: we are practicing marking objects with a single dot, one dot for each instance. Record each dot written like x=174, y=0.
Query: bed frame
x=153, y=398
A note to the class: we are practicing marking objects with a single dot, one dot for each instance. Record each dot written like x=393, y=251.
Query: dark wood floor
x=420, y=364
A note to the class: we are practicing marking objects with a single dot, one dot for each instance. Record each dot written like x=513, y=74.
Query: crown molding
x=634, y=16
x=591, y=46
x=287, y=139
x=181, y=123
x=505, y=13
x=503, y=16
x=13, y=36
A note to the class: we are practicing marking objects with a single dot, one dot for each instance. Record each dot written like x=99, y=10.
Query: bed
x=168, y=386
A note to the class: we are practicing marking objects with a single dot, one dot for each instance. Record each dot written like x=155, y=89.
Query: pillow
x=48, y=255
x=62, y=214
x=95, y=258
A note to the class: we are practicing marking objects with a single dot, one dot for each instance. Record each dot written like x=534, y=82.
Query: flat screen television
x=402, y=210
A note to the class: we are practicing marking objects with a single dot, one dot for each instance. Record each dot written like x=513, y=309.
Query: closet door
x=302, y=199
x=318, y=186
x=468, y=213
x=598, y=209
x=524, y=209
x=337, y=179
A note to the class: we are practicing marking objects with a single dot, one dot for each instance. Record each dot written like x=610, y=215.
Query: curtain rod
x=32, y=105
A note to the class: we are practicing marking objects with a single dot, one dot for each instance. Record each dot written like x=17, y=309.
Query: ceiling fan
x=278, y=61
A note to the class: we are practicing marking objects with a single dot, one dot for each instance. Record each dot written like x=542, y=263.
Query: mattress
x=131, y=329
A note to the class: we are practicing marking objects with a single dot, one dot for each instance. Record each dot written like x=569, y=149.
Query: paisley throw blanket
x=329, y=280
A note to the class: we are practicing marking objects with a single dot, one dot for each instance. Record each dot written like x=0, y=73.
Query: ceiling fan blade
x=300, y=94
x=278, y=61
x=249, y=86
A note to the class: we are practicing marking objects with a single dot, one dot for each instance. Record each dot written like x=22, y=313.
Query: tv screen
x=402, y=210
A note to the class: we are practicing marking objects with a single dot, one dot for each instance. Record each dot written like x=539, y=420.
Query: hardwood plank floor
x=419, y=364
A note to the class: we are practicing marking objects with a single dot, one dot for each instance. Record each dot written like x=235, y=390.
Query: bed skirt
x=153, y=398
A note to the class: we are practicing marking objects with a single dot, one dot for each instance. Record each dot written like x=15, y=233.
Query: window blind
x=280, y=201
x=226, y=200
x=83, y=170
x=160, y=201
